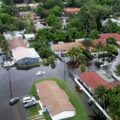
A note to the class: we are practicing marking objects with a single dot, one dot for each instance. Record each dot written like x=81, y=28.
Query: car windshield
x=27, y=98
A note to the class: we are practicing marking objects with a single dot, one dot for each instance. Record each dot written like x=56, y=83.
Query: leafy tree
x=9, y=9
x=3, y=44
x=40, y=11
x=111, y=40
x=20, y=25
x=7, y=22
x=41, y=45
x=112, y=49
x=53, y=21
x=91, y=14
x=56, y=10
x=76, y=55
x=83, y=68
x=93, y=34
x=59, y=35
x=51, y=3
x=111, y=27
x=8, y=2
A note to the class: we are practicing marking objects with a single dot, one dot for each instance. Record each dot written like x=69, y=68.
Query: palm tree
x=76, y=55
x=101, y=95
x=97, y=116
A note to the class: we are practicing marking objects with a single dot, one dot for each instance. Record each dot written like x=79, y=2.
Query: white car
x=8, y=63
x=30, y=104
x=40, y=73
x=28, y=99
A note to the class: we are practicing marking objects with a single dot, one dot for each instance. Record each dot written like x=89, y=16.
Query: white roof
x=104, y=22
x=13, y=34
x=21, y=52
x=29, y=36
x=38, y=26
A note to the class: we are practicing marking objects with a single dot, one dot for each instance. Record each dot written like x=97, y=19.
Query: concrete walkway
x=36, y=117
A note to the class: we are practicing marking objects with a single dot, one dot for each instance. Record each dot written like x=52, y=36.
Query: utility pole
x=9, y=78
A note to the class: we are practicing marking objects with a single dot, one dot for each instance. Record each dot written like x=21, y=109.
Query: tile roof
x=70, y=10
x=104, y=36
x=65, y=46
x=107, y=35
x=53, y=97
x=16, y=42
x=93, y=80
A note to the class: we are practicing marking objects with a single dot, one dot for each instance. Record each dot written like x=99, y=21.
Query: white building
x=104, y=22
x=22, y=55
x=38, y=26
x=29, y=37
x=54, y=100
x=13, y=34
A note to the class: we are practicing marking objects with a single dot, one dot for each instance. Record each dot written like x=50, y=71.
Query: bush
x=83, y=68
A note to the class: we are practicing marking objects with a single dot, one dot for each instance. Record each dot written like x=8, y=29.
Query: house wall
x=63, y=115
x=27, y=61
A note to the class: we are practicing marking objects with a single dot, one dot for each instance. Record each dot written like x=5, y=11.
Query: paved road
x=22, y=81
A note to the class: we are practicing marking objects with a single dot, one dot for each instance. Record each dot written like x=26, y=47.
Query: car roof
x=12, y=99
x=27, y=97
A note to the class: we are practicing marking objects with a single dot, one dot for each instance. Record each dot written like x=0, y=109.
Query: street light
x=8, y=69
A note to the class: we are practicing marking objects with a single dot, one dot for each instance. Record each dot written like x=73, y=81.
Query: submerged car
x=28, y=99
x=13, y=101
x=40, y=73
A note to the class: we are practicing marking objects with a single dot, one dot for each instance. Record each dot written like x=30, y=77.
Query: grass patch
x=33, y=110
x=80, y=110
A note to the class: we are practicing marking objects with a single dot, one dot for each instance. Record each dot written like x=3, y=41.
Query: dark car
x=13, y=100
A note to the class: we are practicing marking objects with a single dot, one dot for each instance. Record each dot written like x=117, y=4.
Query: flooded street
x=82, y=97
x=22, y=80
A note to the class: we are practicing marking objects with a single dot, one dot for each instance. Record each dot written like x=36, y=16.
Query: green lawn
x=80, y=110
x=33, y=110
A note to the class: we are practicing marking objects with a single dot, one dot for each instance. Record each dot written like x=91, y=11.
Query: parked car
x=13, y=101
x=39, y=73
x=8, y=63
x=30, y=104
x=28, y=99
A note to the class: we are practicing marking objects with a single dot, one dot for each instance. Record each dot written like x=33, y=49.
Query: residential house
x=103, y=37
x=62, y=47
x=21, y=54
x=72, y=10
x=27, y=15
x=54, y=100
x=16, y=42
x=29, y=37
x=91, y=80
x=21, y=5
x=13, y=34
x=38, y=25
